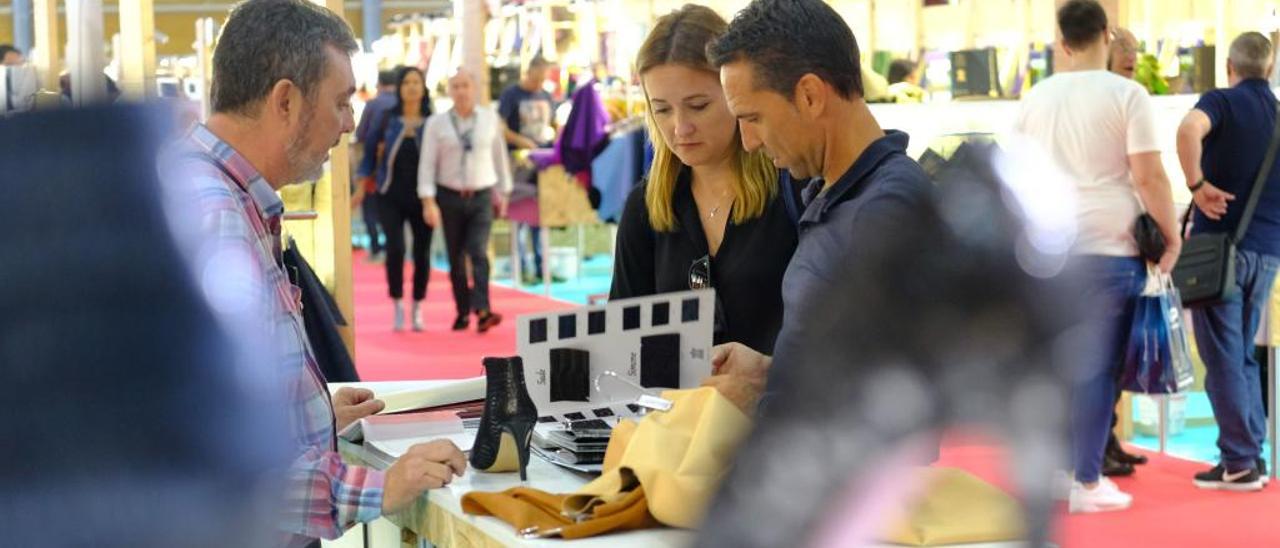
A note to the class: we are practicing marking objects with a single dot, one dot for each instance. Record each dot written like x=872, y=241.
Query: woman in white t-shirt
x=1099, y=128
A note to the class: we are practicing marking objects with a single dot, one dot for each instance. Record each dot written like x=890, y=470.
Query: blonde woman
x=710, y=214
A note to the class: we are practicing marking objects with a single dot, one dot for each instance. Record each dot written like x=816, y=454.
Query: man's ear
x=284, y=102
x=811, y=95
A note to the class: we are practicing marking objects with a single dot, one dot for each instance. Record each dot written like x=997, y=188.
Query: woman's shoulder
x=636, y=204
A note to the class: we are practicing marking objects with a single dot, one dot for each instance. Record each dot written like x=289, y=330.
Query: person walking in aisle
x=1221, y=145
x=370, y=123
x=464, y=158
x=527, y=110
x=393, y=153
x=281, y=100
x=1100, y=129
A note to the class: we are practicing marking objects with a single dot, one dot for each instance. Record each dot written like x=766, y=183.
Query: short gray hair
x=1251, y=55
x=265, y=41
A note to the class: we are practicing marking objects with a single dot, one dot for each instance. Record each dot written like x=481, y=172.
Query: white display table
x=437, y=518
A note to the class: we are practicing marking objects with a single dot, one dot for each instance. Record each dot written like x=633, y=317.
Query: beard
x=303, y=167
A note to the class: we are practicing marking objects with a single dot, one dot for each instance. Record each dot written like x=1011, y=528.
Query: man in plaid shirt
x=282, y=85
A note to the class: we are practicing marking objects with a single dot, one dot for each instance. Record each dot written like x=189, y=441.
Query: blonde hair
x=681, y=37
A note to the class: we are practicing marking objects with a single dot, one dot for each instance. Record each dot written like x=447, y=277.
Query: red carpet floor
x=438, y=352
x=1168, y=511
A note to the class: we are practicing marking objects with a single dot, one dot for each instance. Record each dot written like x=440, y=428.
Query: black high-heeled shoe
x=502, y=444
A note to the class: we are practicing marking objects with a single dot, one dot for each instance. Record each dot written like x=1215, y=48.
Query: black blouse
x=746, y=272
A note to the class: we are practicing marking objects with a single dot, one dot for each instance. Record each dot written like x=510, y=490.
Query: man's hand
x=1212, y=201
x=739, y=359
x=431, y=213
x=501, y=203
x=430, y=465
x=526, y=143
x=742, y=391
x=353, y=404
x=1170, y=257
x=359, y=196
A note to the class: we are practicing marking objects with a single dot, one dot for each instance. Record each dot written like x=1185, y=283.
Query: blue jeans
x=1224, y=334
x=1114, y=284
x=535, y=243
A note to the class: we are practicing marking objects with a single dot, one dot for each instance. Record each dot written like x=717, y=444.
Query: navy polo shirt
x=1243, y=119
x=881, y=193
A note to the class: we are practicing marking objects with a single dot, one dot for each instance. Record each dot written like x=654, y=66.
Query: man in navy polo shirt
x=1221, y=144
x=801, y=101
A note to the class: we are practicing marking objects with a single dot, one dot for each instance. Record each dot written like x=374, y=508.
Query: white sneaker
x=417, y=317
x=398, y=322
x=1105, y=497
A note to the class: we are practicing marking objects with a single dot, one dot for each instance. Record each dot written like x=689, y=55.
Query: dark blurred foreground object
x=940, y=326
x=124, y=421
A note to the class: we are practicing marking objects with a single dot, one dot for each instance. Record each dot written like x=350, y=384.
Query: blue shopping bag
x=1157, y=358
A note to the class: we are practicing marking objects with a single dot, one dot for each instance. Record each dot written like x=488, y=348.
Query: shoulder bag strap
x=1264, y=172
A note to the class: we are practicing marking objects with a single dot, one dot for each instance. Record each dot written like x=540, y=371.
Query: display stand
x=650, y=343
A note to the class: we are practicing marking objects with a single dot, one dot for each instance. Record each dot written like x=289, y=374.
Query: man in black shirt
x=527, y=110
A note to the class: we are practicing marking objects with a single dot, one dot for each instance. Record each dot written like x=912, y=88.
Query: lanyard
x=464, y=138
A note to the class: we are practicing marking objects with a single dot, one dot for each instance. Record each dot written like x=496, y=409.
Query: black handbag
x=1205, y=273
x=1151, y=244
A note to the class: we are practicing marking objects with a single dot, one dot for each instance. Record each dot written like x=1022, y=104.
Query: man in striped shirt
x=282, y=86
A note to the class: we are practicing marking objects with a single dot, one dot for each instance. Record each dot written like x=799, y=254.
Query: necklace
x=716, y=209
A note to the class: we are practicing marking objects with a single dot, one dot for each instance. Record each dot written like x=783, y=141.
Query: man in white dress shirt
x=464, y=156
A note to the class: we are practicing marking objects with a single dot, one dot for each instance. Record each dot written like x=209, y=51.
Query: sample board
x=658, y=342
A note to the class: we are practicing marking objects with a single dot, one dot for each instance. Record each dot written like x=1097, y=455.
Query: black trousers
x=395, y=213
x=467, y=220
x=372, y=216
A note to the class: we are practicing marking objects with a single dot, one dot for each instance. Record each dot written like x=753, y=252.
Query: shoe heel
x=522, y=435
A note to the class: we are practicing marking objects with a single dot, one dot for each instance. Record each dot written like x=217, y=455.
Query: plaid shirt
x=242, y=213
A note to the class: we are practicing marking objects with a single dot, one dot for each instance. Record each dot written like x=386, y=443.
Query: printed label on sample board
x=668, y=335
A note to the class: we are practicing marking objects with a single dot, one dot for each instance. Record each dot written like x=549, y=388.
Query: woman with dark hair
x=710, y=214
x=391, y=160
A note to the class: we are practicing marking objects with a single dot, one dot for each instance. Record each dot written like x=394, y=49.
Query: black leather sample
x=660, y=361
x=570, y=374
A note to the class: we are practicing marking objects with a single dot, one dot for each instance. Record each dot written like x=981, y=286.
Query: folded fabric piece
x=618, y=444
x=539, y=512
x=958, y=508
x=662, y=470
x=679, y=457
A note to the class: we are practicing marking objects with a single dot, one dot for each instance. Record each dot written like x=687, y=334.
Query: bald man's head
x=1124, y=53
x=462, y=90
